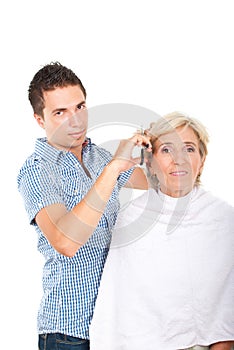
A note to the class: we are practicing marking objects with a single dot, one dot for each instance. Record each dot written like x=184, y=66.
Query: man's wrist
x=115, y=168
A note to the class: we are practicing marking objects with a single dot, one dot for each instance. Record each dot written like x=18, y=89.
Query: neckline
x=171, y=199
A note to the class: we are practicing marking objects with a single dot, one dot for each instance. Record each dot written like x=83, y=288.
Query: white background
x=163, y=55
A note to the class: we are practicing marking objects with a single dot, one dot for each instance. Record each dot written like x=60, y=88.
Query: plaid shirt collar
x=49, y=153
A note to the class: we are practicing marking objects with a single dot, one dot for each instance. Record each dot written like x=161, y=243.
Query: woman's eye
x=166, y=150
x=190, y=149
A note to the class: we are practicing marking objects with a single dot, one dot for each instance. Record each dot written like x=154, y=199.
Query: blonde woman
x=168, y=282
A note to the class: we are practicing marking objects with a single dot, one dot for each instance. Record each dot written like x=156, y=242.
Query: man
x=70, y=188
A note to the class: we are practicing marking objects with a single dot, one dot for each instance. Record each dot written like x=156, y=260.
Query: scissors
x=142, y=148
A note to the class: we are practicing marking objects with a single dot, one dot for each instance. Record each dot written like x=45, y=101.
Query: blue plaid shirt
x=70, y=285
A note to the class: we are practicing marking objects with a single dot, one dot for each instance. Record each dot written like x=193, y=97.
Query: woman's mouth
x=179, y=173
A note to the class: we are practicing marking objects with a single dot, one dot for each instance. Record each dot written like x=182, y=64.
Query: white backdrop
x=163, y=55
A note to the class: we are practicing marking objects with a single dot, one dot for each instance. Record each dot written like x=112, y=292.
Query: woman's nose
x=179, y=157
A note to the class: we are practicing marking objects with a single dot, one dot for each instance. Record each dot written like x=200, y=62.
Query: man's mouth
x=76, y=134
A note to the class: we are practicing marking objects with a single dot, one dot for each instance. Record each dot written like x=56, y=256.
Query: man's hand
x=123, y=156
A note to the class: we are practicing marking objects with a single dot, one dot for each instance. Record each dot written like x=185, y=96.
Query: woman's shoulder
x=208, y=200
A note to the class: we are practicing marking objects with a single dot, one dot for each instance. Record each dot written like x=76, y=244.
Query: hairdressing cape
x=168, y=282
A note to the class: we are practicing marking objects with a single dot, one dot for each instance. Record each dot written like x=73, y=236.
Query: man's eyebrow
x=58, y=110
x=81, y=103
x=62, y=109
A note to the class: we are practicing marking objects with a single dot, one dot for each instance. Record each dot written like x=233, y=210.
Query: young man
x=70, y=188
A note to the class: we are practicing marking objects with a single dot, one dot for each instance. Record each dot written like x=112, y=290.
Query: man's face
x=65, y=118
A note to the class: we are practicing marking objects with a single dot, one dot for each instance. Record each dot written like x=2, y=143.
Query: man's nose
x=74, y=119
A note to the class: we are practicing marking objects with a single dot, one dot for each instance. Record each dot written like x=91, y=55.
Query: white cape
x=168, y=282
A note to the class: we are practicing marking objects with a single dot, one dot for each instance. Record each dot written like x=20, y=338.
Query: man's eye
x=59, y=113
x=81, y=106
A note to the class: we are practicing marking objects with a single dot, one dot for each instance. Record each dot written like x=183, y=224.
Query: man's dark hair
x=48, y=78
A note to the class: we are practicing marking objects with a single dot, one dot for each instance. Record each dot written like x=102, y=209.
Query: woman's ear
x=202, y=165
x=40, y=120
x=152, y=177
x=148, y=159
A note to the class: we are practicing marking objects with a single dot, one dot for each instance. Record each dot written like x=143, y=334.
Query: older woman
x=168, y=282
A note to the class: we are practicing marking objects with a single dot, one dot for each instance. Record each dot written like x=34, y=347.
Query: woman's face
x=177, y=161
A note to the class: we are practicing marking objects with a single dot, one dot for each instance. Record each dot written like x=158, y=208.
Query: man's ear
x=40, y=120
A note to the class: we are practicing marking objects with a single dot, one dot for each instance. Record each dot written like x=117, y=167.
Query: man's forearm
x=225, y=345
x=81, y=221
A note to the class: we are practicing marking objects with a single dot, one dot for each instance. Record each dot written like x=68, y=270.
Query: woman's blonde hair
x=169, y=123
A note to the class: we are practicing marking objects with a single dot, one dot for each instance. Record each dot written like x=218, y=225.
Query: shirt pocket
x=73, y=191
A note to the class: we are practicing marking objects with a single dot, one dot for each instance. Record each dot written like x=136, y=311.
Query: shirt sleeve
x=124, y=177
x=39, y=188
